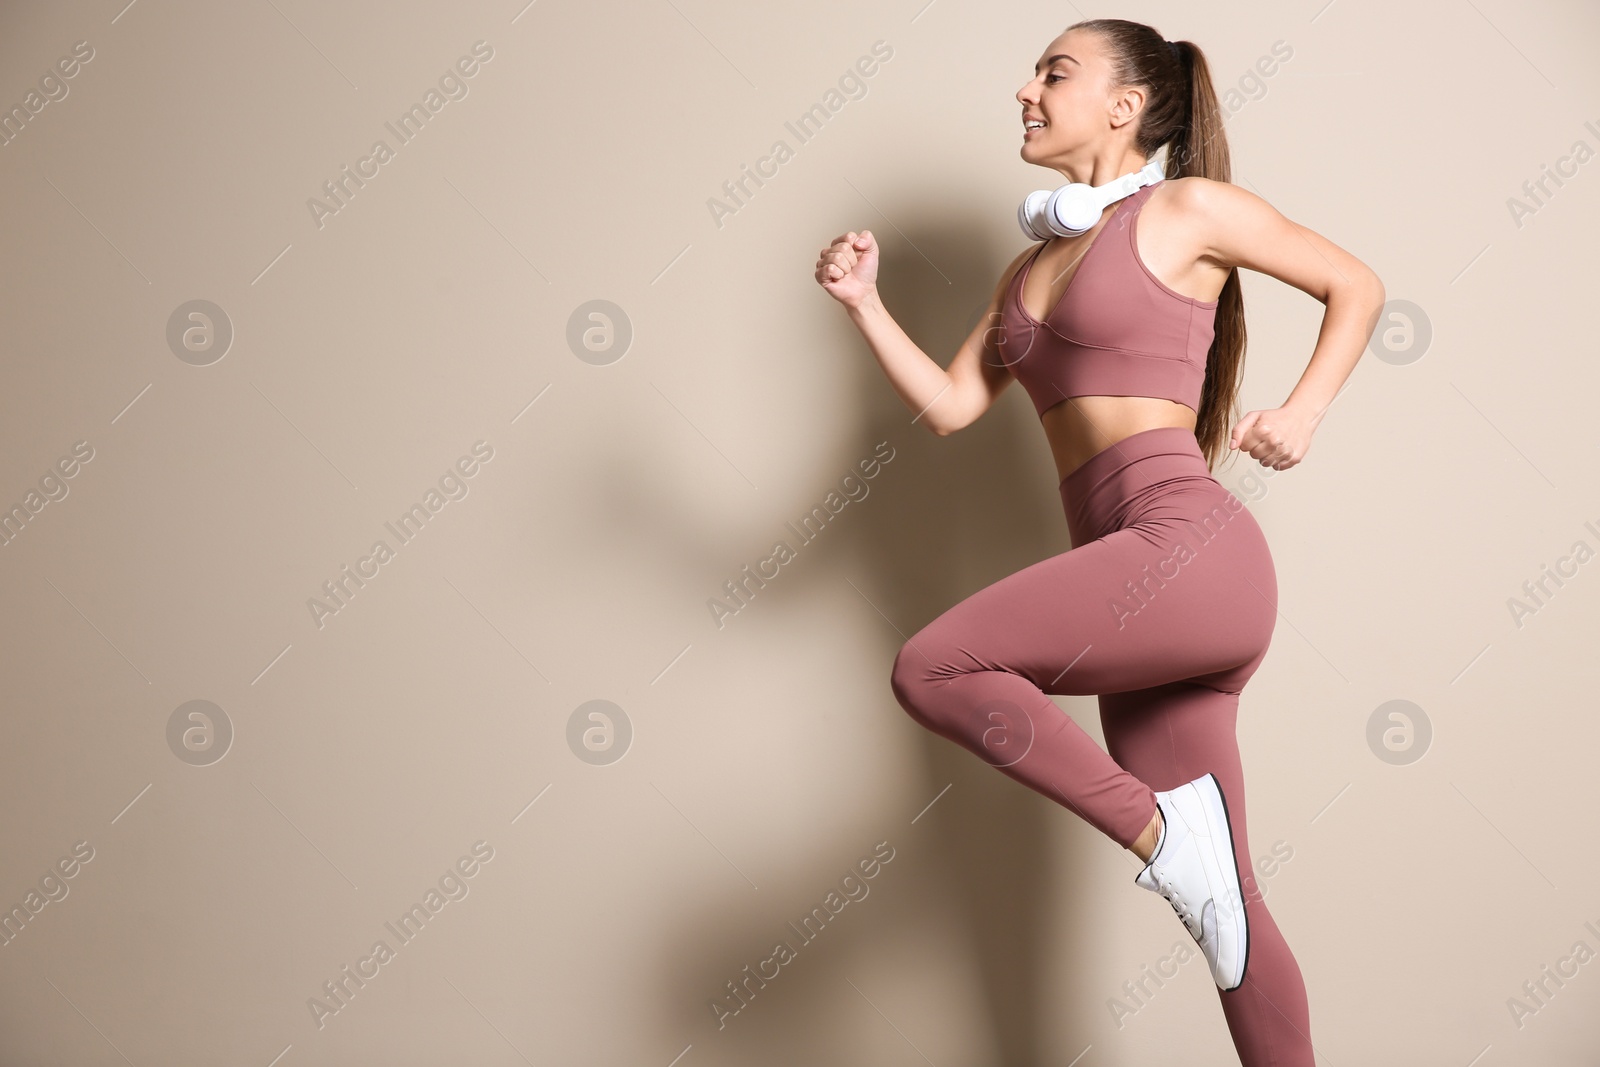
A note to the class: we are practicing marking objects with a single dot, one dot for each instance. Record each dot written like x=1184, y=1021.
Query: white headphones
x=1074, y=208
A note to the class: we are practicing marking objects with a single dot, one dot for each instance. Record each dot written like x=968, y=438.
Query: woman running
x=1127, y=331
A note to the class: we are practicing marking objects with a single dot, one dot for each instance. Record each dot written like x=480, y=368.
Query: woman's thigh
x=1159, y=601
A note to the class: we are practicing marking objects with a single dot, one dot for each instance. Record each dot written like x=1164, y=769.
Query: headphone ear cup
x=1030, y=215
x=1072, y=210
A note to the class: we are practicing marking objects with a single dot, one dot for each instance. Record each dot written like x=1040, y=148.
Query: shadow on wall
x=950, y=515
x=969, y=510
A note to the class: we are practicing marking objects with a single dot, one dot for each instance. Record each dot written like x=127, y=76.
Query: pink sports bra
x=1116, y=331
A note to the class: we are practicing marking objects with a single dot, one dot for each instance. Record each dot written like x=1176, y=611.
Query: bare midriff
x=1081, y=426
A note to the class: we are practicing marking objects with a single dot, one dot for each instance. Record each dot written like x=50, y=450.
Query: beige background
x=768, y=756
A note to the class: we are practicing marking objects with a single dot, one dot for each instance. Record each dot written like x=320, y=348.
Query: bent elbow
x=1375, y=286
x=955, y=409
x=935, y=425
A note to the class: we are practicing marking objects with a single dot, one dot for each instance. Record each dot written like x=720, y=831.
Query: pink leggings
x=1163, y=608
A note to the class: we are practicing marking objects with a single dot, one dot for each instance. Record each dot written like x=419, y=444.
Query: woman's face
x=1070, y=92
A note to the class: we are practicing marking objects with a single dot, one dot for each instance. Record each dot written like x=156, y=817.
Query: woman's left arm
x=1242, y=230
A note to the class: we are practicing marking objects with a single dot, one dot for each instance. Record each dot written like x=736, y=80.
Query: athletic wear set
x=1163, y=608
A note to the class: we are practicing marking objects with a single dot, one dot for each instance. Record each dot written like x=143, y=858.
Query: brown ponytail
x=1182, y=113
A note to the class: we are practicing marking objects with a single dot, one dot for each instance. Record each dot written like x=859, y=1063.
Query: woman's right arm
x=943, y=400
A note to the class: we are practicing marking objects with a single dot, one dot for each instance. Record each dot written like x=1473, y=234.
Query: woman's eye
x=1054, y=78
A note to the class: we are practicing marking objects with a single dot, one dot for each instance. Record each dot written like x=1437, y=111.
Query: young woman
x=1129, y=339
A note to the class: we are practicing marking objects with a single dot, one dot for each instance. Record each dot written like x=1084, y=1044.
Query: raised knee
x=909, y=679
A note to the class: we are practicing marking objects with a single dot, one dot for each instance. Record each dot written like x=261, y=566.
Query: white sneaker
x=1193, y=866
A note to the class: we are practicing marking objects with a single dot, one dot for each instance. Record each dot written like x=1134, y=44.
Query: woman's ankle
x=1146, y=844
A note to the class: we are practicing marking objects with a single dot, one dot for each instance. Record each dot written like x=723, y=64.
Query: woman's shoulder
x=1192, y=193
x=1191, y=190
x=1201, y=205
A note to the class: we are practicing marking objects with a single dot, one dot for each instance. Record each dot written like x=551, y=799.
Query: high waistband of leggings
x=1119, y=472
x=1156, y=441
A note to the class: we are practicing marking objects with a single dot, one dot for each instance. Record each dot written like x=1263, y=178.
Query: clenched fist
x=848, y=268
